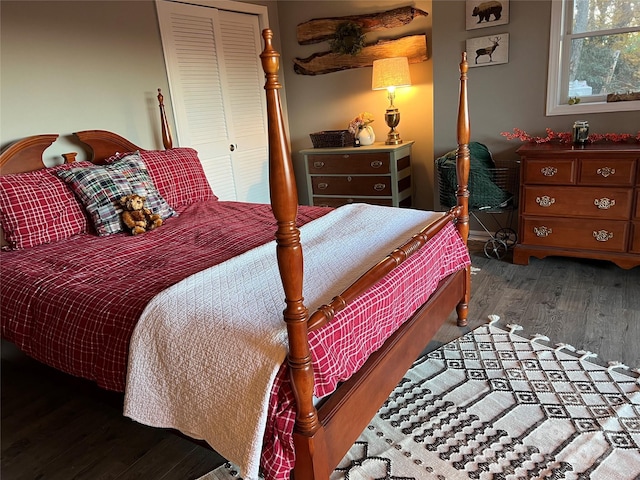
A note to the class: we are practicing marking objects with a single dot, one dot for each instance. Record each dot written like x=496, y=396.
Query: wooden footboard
x=323, y=436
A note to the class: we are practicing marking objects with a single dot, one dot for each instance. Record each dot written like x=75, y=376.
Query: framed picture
x=490, y=50
x=486, y=13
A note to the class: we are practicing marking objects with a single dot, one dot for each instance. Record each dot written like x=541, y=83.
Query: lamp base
x=392, y=119
x=393, y=138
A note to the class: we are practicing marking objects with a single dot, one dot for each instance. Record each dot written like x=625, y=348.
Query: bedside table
x=379, y=174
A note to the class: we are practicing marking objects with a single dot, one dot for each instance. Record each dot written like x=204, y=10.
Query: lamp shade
x=390, y=72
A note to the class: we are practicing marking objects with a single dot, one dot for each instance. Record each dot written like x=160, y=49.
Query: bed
x=104, y=305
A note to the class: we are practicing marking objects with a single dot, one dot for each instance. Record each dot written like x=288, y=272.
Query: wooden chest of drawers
x=378, y=174
x=580, y=202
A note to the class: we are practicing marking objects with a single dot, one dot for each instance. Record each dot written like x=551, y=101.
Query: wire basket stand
x=492, y=191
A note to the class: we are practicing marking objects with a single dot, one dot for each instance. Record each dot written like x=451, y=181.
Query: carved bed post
x=308, y=435
x=167, y=140
x=462, y=171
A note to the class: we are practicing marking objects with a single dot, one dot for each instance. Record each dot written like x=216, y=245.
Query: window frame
x=559, y=50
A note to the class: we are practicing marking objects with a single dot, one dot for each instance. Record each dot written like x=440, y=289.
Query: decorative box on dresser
x=580, y=202
x=379, y=174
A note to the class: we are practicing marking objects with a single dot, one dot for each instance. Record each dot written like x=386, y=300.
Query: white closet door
x=212, y=59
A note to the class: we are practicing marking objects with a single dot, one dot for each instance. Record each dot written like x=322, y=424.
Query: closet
x=216, y=92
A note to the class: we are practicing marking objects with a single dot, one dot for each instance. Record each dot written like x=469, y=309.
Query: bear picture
x=486, y=13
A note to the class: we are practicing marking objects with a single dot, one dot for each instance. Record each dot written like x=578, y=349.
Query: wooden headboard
x=25, y=155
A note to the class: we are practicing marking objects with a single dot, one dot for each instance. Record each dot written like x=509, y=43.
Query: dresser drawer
x=607, y=172
x=348, y=185
x=550, y=171
x=602, y=235
x=364, y=163
x=610, y=203
x=338, y=201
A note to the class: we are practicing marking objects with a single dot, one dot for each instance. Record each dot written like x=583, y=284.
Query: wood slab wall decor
x=413, y=47
x=321, y=29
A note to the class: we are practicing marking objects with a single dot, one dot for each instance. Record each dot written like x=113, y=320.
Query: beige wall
x=69, y=66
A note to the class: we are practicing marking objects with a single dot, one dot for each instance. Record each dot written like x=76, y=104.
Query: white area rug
x=494, y=405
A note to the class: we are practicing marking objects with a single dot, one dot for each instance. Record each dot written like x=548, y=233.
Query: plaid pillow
x=100, y=187
x=178, y=175
x=37, y=207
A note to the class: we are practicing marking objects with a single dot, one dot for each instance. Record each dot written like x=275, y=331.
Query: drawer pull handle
x=606, y=171
x=318, y=164
x=346, y=155
x=602, y=235
x=323, y=186
x=545, y=201
x=349, y=178
x=376, y=164
x=378, y=187
x=542, y=231
x=604, y=203
x=549, y=171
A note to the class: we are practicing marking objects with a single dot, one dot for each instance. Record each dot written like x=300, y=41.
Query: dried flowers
x=364, y=119
x=567, y=137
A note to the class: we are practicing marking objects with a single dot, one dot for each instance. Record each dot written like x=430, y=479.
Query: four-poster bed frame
x=323, y=434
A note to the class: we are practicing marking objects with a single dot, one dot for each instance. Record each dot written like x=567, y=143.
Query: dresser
x=579, y=202
x=379, y=174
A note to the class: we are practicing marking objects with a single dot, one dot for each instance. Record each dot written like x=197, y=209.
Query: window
x=594, y=51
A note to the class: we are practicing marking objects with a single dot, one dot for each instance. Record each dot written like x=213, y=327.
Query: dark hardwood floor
x=55, y=427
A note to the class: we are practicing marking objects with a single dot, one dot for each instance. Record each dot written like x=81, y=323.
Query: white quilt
x=205, y=352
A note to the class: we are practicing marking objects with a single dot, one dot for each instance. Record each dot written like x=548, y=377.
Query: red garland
x=567, y=137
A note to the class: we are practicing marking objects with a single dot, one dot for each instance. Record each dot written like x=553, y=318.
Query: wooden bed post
x=311, y=456
x=167, y=140
x=462, y=171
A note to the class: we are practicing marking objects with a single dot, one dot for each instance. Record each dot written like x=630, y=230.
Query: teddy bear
x=136, y=218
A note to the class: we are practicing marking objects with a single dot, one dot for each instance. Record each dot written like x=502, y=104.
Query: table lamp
x=391, y=73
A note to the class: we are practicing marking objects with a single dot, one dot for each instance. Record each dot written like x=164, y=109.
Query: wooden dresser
x=580, y=202
x=379, y=174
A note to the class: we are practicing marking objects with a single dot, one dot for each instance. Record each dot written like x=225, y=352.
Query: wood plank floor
x=59, y=428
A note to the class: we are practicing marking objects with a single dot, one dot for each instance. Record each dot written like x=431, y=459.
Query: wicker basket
x=489, y=188
x=332, y=138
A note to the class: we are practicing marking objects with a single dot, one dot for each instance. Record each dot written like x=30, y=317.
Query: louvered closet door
x=215, y=78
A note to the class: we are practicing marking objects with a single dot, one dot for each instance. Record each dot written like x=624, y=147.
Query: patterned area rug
x=494, y=405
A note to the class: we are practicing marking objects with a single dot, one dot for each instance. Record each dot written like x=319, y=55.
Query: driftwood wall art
x=324, y=29
x=413, y=47
x=321, y=29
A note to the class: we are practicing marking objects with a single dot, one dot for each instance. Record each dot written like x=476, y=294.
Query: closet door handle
x=232, y=147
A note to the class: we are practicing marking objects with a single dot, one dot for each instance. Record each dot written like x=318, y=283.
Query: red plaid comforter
x=73, y=304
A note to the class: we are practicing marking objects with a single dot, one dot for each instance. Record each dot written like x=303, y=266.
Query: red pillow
x=178, y=175
x=37, y=207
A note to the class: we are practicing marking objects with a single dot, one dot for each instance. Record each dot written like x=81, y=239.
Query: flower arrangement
x=364, y=119
x=567, y=137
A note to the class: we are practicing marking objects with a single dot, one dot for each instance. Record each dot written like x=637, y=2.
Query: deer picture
x=488, y=50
